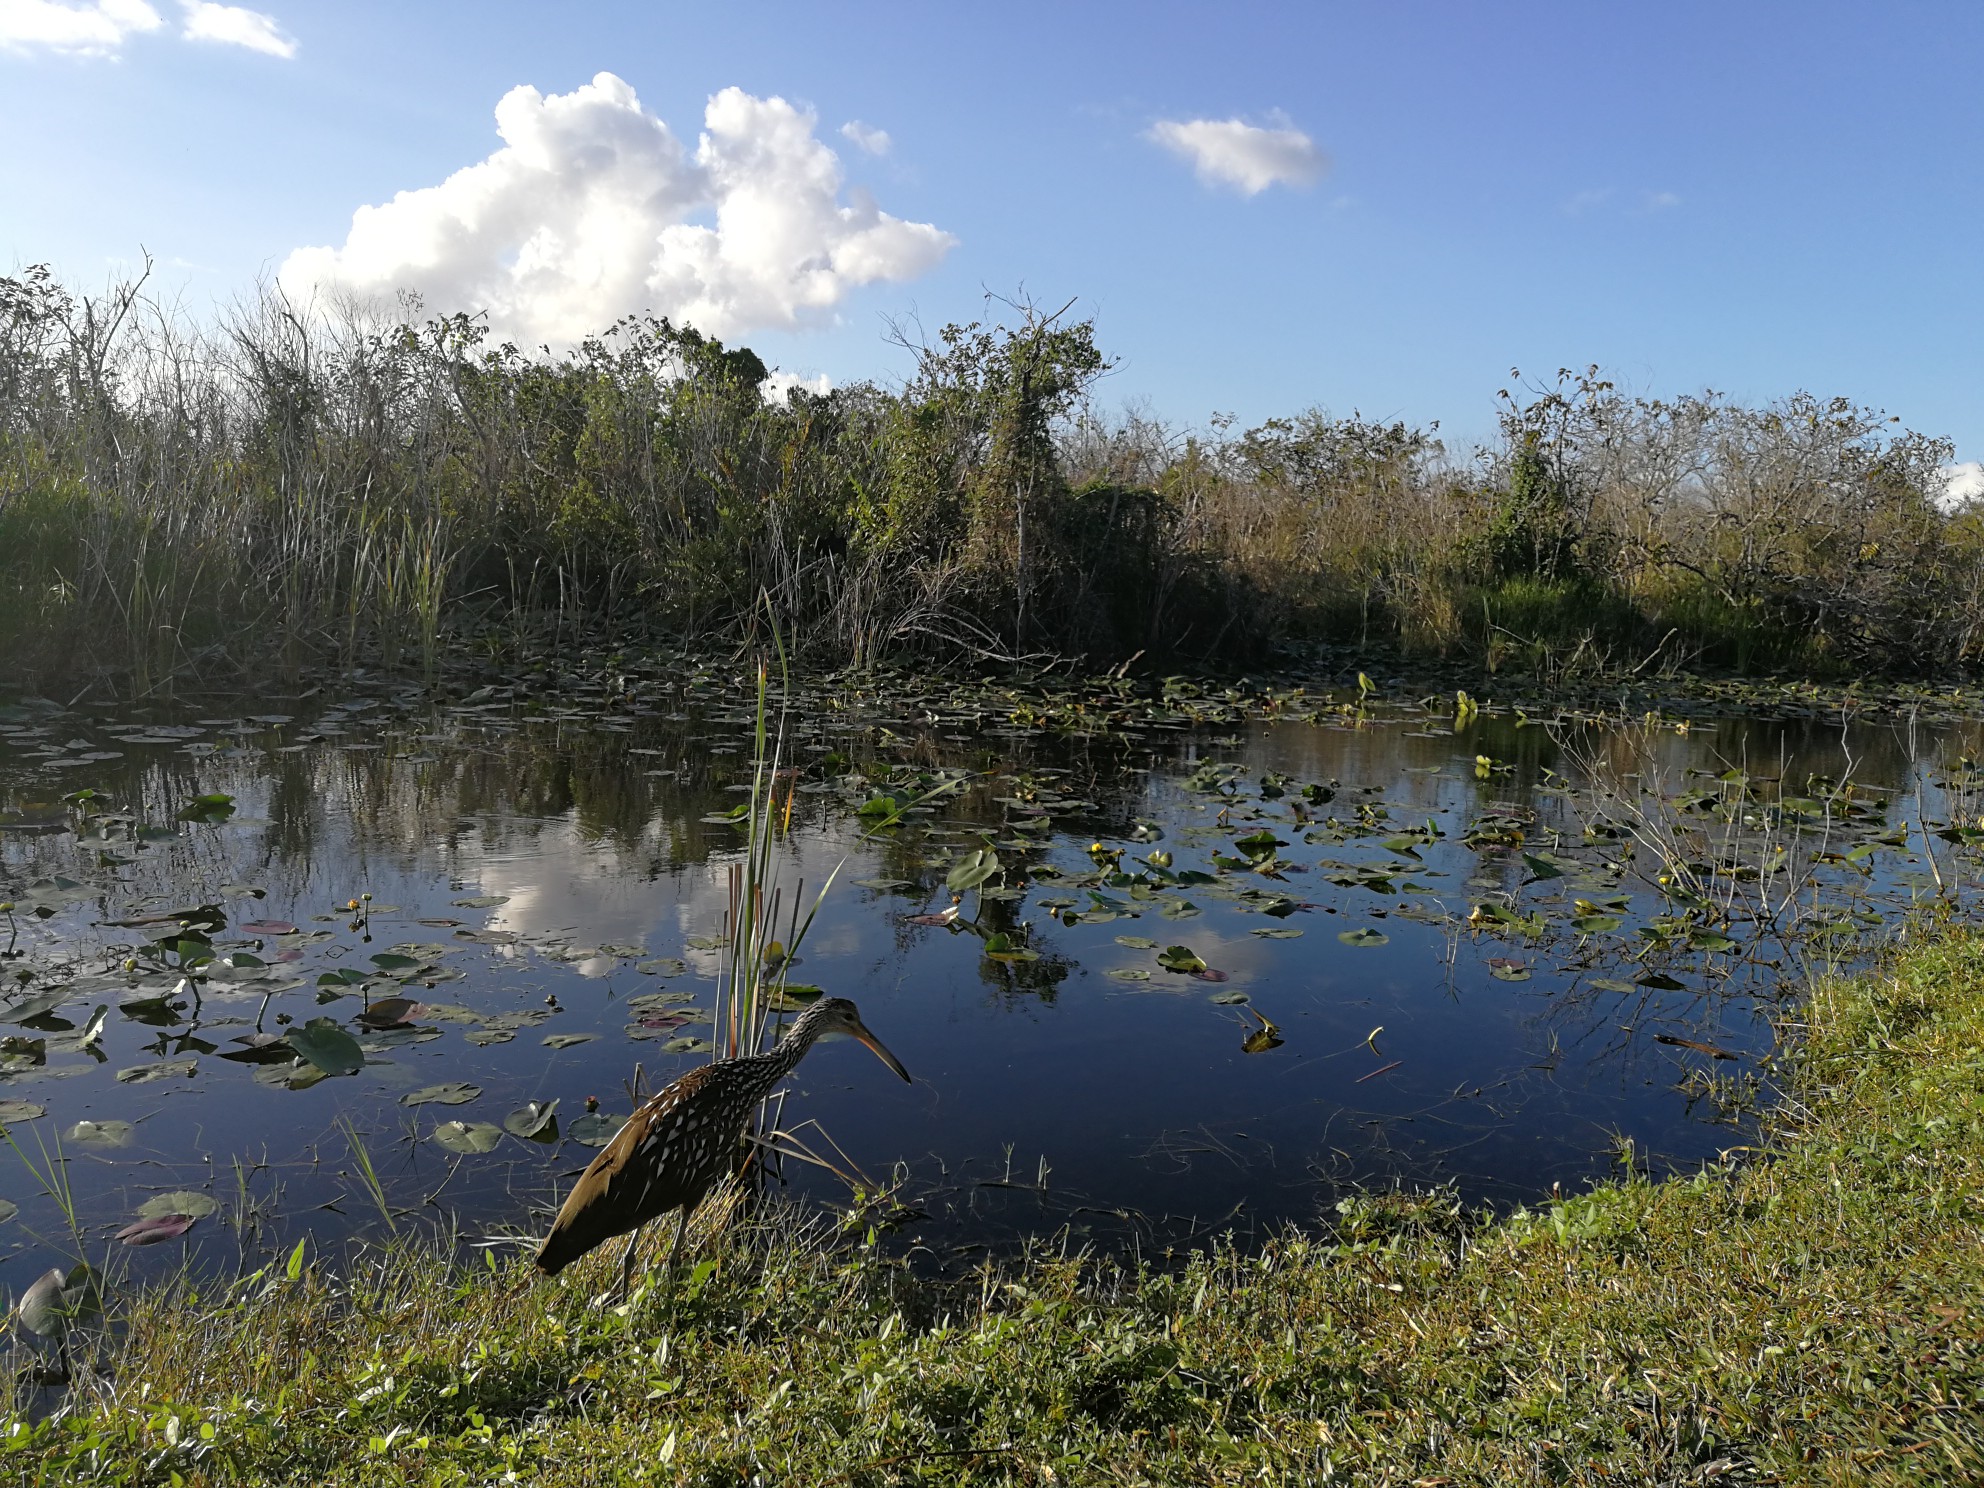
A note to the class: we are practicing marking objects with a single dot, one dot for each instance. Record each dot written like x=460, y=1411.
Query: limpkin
x=678, y=1144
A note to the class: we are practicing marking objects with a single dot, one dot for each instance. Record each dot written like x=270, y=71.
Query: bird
x=676, y=1146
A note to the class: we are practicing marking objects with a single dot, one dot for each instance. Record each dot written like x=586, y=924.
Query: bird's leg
x=627, y=1261
x=681, y=1231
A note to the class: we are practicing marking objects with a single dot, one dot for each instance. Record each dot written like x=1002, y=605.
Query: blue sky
x=1756, y=198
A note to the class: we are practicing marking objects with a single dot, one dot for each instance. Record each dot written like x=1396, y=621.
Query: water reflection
x=535, y=873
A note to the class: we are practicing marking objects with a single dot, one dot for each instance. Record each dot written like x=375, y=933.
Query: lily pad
x=165, y=1069
x=530, y=1119
x=100, y=1134
x=481, y=901
x=20, y=1110
x=1137, y=942
x=454, y=1093
x=198, y=1205
x=566, y=1040
x=151, y=1231
x=1228, y=999
x=595, y=1129
x=56, y=1299
x=322, y=1043
x=1180, y=958
x=468, y=1136
x=1130, y=974
x=1364, y=937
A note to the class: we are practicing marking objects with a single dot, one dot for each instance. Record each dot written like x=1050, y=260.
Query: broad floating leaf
x=198, y=1205
x=1180, y=958
x=151, y=1231
x=971, y=870
x=20, y=1110
x=1364, y=937
x=468, y=1136
x=529, y=1120
x=454, y=1093
x=100, y=1134
x=165, y=1069
x=327, y=1046
x=212, y=809
x=56, y=1299
x=595, y=1129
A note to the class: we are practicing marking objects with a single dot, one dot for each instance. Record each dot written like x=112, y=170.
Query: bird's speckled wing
x=646, y=1170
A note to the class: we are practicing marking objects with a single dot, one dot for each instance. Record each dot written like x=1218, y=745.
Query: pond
x=1232, y=952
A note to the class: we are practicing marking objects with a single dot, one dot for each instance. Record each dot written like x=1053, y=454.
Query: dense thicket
x=283, y=489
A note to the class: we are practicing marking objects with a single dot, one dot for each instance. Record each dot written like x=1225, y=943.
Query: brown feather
x=676, y=1147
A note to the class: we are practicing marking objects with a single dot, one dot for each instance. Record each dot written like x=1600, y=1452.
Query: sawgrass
x=1810, y=1312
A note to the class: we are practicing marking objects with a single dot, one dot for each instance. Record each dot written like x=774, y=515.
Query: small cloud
x=867, y=137
x=1587, y=201
x=1247, y=157
x=1661, y=201
x=234, y=25
x=96, y=30
x=1963, y=485
x=777, y=388
x=593, y=208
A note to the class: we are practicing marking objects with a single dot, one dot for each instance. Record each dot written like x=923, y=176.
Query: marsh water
x=1237, y=956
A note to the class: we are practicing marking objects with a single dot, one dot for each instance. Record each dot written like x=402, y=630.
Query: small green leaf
x=1364, y=937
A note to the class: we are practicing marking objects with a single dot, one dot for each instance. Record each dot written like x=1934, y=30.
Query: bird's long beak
x=881, y=1053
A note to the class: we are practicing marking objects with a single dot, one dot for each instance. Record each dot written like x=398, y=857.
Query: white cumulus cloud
x=777, y=388
x=1963, y=485
x=232, y=25
x=1248, y=157
x=867, y=137
x=89, y=30
x=593, y=209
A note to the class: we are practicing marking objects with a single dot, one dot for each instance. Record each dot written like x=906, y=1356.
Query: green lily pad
x=1180, y=958
x=1130, y=974
x=1278, y=932
x=20, y=1110
x=1228, y=999
x=1137, y=942
x=567, y=1040
x=595, y=1129
x=165, y=1069
x=100, y=1134
x=197, y=1205
x=529, y=1120
x=1364, y=937
x=454, y=1093
x=324, y=1044
x=468, y=1136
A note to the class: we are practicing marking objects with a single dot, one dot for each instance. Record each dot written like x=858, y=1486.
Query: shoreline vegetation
x=286, y=491
x=1807, y=1311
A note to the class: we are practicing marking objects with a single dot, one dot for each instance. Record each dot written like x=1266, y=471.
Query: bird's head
x=833, y=1017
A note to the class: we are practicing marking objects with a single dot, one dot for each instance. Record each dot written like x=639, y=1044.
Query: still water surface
x=547, y=888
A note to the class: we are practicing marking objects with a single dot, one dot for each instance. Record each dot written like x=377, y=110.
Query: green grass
x=1812, y=1313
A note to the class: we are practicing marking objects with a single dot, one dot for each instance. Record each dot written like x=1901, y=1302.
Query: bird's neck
x=792, y=1048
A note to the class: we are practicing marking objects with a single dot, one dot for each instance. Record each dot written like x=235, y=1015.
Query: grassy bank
x=1812, y=1313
